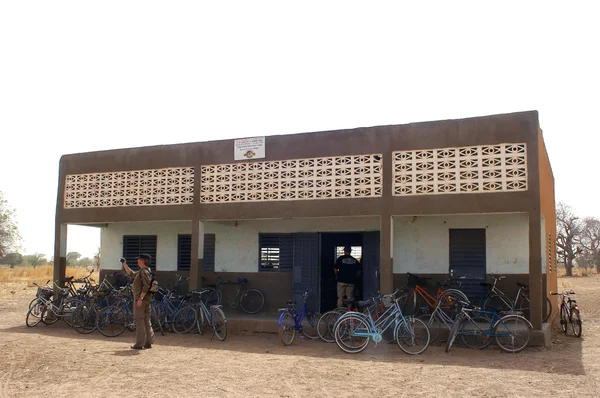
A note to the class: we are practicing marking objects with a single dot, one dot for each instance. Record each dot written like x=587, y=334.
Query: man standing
x=346, y=270
x=144, y=335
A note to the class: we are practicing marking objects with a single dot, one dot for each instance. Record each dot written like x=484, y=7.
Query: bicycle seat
x=522, y=285
x=290, y=302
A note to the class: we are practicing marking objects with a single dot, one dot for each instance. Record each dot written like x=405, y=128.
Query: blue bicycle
x=290, y=321
x=354, y=330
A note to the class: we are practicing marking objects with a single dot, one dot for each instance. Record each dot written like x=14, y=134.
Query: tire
x=84, y=318
x=497, y=304
x=211, y=297
x=111, y=321
x=449, y=302
x=33, y=316
x=473, y=332
x=433, y=324
x=524, y=305
x=517, y=331
x=219, y=323
x=39, y=307
x=309, y=325
x=48, y=316
x=184, y=319
x=576, y=322
x=344, y=334
x=412, y=335
x=287, y=328
x=202, y=321
x=326, y=325
x=157, y=317
x=68, y=308
x=453, y=333
x=564, y=318
x=252, y=301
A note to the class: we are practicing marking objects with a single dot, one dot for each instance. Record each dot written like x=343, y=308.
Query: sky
x=86, y=76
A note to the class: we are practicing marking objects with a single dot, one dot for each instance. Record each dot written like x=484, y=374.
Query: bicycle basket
x=45, y=292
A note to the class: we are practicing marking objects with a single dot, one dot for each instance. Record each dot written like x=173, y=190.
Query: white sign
x=249, y=148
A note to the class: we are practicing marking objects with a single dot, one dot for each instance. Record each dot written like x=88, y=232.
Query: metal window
x=134, y=245
x=184, y=252
x=276, y=252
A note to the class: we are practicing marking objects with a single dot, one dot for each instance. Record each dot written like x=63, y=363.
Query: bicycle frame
x=390, y=317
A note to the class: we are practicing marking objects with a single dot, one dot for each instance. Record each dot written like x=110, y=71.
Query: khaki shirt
x=141, y=282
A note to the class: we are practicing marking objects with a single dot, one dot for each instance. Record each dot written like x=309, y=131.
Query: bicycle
x=250, y=301
x=173, y=312
x=214, y=317
x=423, y=302
x=113, y=320
x=49, y=311
x=354, y=330
x=478, y=328
x=290, y=321
x=569, y=313
x=494, y=299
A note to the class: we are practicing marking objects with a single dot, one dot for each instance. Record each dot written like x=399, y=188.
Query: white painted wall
x=421, y=244
x=111, y=240
x=236, y=243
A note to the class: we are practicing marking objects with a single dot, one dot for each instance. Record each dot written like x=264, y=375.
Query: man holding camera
x=144, y=335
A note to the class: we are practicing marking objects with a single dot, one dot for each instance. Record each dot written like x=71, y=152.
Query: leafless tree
x=568, y=228
x=590, y=242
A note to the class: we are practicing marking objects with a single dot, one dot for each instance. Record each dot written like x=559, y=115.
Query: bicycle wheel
x=111, y=321
x=211, y=296
x=349, y=334
x=157, y=317
x=287, y=328
x=48, y=316
x=498, y=304
x=576, y=322
x=524, y=306
x=33, y=316
x=449, y=302
x=66, y=311
x=433, y=324
x=38, y=307
x=512, y=333
x=202, y=320
x=564, y=318
x=84, y=318
x=184, y=319
x=412, y=335
x=326, y=325
x=309, y=325
x=453, y=333
x=219, y=323
x=252, y=301
x=476, y=332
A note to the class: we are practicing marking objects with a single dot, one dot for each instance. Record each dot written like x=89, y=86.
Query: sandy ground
x=57, y=361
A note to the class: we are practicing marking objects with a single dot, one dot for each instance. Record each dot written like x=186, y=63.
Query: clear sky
x=84, y=76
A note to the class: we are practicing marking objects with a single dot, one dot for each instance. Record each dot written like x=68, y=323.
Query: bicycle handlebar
x=562, y=293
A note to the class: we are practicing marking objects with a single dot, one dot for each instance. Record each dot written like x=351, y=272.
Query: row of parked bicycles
x=414, y=318
x=86, y=306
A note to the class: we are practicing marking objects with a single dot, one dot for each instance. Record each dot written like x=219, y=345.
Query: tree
x=590, y=241
x=97, y=259
x=9, y=232
x=72, y=258
x=568, y=228
x=85, y=262
x=35, y=259
x=12, y=259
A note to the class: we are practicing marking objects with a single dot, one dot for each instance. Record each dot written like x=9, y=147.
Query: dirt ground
x=57, y=361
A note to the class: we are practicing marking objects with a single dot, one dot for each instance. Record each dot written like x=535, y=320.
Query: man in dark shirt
x=346, y=270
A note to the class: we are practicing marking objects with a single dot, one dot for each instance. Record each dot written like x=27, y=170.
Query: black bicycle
x=569, y=313
x=250, y=300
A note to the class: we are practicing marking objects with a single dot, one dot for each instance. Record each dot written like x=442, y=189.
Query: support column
x=386, y=272
x=60, y=253
x=536, y=290
x=197, y=255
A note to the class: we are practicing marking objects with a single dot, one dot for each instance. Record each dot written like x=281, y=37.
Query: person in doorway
x=346, y=269
x=144, y=335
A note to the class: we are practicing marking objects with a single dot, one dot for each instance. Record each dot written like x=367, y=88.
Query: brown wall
x=515, y=127
x=548, y=209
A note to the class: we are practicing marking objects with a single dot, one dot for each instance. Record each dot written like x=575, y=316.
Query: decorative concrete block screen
x=170, y=186
x=474, y=169
x=295, y=179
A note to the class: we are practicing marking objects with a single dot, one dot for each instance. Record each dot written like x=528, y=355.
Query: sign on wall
x=249, y=148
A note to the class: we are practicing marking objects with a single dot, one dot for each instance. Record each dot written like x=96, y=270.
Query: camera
x=122, y=259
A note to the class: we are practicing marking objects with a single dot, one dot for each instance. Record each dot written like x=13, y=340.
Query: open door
x=370, y=264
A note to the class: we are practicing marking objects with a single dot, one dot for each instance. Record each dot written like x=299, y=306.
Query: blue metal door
x=306, y=269
x=467, y=258
x=370, y=264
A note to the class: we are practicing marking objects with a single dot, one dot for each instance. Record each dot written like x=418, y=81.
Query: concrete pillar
x=60, y=253
x=536, y=290
x=386, y=272
x=197, y=255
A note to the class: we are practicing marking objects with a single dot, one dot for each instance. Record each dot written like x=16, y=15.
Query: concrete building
x=474, y=195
